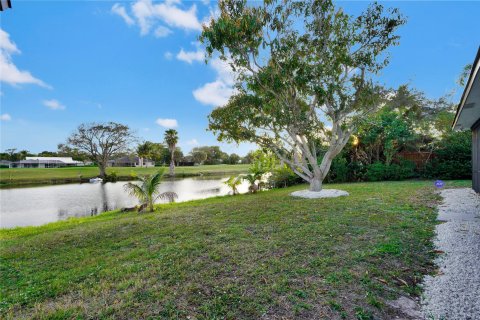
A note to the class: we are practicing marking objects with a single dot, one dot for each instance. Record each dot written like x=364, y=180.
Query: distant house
x=131, y=161
x=46, y=162
x=468, y=117
x=5, y=164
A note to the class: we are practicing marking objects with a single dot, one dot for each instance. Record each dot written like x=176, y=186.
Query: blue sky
x=68, y=62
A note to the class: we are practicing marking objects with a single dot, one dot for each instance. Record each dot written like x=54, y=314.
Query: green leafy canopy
x=301, y=68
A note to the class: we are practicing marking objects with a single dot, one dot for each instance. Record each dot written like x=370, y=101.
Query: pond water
x=35, y=206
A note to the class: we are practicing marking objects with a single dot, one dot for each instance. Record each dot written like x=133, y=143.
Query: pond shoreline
x=6, y=183
x=49, y=203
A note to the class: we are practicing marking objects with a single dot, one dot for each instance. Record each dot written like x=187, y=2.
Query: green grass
x=243, y=257
x=12, y=177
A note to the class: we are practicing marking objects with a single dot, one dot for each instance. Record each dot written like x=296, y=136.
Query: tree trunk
x=102, y=168
x=316, y=184
x=151, y=206
x=172, y=166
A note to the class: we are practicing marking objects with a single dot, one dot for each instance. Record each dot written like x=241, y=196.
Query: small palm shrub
x=233, y=182
x=254, y=180
x=147, y=192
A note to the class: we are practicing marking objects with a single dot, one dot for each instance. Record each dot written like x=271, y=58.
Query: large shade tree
x=171, y=140
x=214, y=154
x=154, y=151
x=101, y=141
x=305, y=76
x=199, y=156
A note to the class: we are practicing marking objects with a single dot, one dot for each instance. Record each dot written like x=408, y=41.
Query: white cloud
x=162, y=31
x=214, y=93
x=148, y=15
x=218, y=92
x=6, y=44
x=53, y=104
x=214, y=13
x=168, y=55
x=167, y=123
x=5, y=117
x=224, y=71
x=119, y=10
x=192, y=142
x=176, y=17
x=191, y=56
x=143, y=12
x=9, y=73
x=90, y=103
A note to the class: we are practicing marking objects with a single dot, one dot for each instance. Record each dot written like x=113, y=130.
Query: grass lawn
x=9, y=177
x=245, y=257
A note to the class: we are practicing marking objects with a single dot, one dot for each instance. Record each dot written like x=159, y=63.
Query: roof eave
x=468, y=87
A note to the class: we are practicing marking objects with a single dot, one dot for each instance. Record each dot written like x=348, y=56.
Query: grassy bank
x=14, y=177
x=244, y=257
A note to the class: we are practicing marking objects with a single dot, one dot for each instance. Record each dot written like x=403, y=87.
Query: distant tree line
x=206, y=155
x=13, y=154
x=155, y=151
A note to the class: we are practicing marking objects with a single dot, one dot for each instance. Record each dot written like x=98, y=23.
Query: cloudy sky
x=67, y=62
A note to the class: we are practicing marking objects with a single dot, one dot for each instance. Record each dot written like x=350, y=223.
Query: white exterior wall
x=66, y=160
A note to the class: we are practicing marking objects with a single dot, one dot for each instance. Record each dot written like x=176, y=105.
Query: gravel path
x=455, y=292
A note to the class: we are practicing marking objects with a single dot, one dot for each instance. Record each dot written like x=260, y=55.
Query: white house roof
x=468, y=112
x=66, y=160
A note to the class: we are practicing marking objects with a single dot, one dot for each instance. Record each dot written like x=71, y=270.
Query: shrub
x=375, y=172
x=283, y=177
x=379, y=171
x=111, y=177
x=448, y=169
x=356, y=171
x=133, y=175
x=339, y=172
x=453, y=159
x=401, y=171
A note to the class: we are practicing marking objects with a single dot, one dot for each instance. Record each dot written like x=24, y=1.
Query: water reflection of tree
x=66, y=213
x=104, y=197
x=62, y=214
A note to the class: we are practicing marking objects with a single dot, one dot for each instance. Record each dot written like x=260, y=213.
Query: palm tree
x=171, y=139
x=252, y=180
x=256, y=174
x=233, y=182
x=147, y=191
x=144, y=151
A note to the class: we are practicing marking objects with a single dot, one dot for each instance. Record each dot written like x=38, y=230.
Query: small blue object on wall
x=439, y=184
